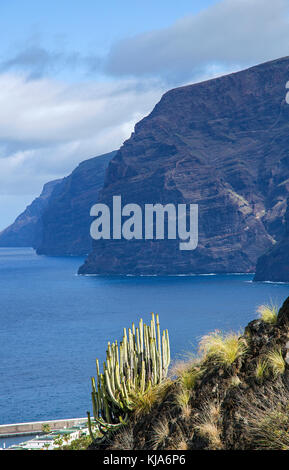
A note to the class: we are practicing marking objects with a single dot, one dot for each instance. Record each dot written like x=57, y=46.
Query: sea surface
x=53, y=324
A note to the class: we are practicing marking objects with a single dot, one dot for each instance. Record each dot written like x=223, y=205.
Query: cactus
x=139, y=362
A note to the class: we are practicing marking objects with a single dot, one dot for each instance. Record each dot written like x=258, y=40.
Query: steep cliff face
x=27, y=228
x=274, y=265
x=57, y=222
x=221, y=144
x=66, y=220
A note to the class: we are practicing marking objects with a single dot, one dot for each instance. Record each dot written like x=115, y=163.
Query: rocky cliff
x=66, y=221
x=274, y=265
x=57, y=222
x=27, y=229
x=221, y=144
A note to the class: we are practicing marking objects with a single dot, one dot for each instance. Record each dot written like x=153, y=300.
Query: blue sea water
x=53, y=324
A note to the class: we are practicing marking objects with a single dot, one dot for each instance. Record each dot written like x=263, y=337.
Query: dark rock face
x=221, y=144
x=27, y=229
x=283, y=314
x=274, y=265
x=57, y=223
x=66, y=220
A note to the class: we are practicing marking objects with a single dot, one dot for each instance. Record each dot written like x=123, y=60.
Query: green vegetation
x=186, y=375
x=46, y=428
x=261, y=370
x=143, y=402
x=81, y=443
x=133, y=375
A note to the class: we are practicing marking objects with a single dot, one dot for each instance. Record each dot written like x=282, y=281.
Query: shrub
x=82, y=443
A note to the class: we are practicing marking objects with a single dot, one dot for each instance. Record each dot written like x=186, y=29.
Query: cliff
x=221, y=144
x=57, y=222
x=27, y=229
x=274, y=265
x=66, y=220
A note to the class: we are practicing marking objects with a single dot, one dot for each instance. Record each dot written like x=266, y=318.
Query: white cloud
x=231, y=32
x=47, y=127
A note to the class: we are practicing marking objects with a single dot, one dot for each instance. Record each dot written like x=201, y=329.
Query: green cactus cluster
x=139, y=362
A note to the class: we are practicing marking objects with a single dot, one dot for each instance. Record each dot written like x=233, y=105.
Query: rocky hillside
x=221, y=144
x=274, y=265
x=233, y=396
x=27, y=229
x=57, y=222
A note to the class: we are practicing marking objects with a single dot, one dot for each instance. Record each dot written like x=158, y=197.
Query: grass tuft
x=276, y=362
x=268, y=313
x=143, y=403
x=208, y=425
x=235, y=381
x=160, y=432
x=261, y=371
x=124, y=440
x=223, y=349
x=267, y=417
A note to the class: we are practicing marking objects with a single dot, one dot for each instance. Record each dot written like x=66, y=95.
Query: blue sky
x=88, y=25
x=75, y=76
x=84, y=28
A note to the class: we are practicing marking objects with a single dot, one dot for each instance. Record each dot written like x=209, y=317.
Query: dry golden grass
x=261, y=371
x=276, y=362
x=267, y=417
x=124, y=440
x=185, y=374
x=223, y=349
x=182, y=400
x=161, y=431
x=143, y=403
x=208, y=425
x=235, y=381
x=180, y=444
x=268, y=313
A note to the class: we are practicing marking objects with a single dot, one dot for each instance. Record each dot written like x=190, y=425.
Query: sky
x=76, y=76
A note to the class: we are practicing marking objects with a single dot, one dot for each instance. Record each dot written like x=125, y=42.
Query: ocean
x=53, y=324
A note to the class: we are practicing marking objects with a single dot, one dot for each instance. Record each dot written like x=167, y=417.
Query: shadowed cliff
x=221, y=144
x=58, y=221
